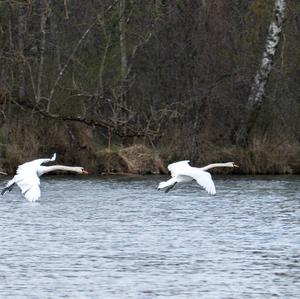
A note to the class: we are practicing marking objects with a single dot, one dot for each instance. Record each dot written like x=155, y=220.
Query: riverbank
x=142, y=160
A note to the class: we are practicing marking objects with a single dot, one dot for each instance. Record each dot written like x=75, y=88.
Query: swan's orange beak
x=84, y=171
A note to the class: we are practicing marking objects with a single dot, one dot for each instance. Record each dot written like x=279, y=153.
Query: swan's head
x=231, y=164
x=80, y=170
x=83, y=171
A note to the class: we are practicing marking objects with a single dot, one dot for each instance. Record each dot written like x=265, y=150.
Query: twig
x=61, y=73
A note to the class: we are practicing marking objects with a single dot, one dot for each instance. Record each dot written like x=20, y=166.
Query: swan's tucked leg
x=8, y=188
x=170, y=187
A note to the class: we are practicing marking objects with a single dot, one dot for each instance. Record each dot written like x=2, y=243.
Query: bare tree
x=22, y=24
x=122, y=28
x=45, y=10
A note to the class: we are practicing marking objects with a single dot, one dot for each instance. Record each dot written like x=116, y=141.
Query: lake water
x=118, y=237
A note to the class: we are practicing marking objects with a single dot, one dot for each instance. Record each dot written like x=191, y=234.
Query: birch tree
x=257, y=92
x=272, y=41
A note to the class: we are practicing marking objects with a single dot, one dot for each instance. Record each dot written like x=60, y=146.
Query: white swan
x=27, y=177
x=183, y=172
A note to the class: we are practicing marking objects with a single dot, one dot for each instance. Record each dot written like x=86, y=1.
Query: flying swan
x=182, y=172
x=27, y=177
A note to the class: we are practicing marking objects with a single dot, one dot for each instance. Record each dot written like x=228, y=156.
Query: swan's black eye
x=84, y=171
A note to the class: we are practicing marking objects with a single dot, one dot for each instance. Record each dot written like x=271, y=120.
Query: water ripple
x=117, y=237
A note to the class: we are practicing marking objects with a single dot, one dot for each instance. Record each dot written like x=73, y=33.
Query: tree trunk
x=122, y=28
x=257, y=93
x=44, y=17
x=20, y=57
x=54, y=37
x=262, y=75
x=124, y=67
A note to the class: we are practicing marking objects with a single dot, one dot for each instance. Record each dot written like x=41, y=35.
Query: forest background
x=128, y=86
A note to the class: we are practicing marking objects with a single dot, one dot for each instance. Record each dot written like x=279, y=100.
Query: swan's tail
x=162, y=185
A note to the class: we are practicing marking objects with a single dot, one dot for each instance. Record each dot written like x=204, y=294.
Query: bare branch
x=62, y=71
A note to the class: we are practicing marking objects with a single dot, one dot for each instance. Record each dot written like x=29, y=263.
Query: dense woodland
x=128, y=86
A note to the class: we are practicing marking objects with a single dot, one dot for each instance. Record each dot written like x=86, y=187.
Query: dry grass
x=25, y=141
x=262, y=157
x=136, y=159
x=77, y=144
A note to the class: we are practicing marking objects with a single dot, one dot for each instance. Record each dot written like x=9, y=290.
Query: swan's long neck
x=45, y=169
x=214, y=165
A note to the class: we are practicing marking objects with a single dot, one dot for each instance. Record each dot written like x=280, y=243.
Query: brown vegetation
x=136, y=159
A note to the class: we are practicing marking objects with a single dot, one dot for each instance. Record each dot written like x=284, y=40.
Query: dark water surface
x=117, y=237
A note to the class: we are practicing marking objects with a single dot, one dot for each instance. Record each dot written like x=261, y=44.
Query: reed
x=261, y=157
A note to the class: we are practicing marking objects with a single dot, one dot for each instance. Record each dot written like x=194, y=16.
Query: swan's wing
x=178, y=167
x=27, y=178
x=29, y=183
x=33, y=165
x=204, y=179
x=42, y=161
x=33, y=194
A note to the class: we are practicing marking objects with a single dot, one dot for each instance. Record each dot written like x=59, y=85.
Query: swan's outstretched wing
x=33, y=165
x=204, y=179
x=27, y=179
x=184, y=172
x=178, y=167
x=30, y=187
x=29, y=182
x=33, y=194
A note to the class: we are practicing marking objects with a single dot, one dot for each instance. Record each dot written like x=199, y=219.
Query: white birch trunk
x=272, y=41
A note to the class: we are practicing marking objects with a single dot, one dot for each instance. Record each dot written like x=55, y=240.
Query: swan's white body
x=183, y=172
x=27, y=177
